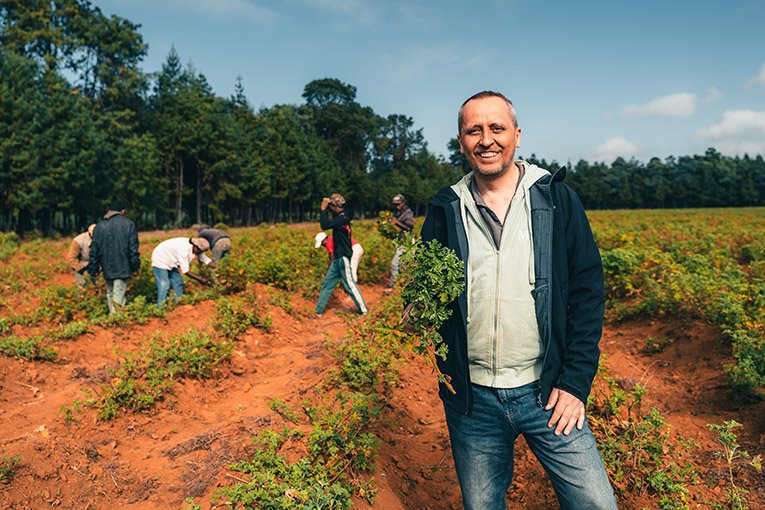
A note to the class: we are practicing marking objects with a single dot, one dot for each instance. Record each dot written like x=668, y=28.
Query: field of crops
x=240, y=396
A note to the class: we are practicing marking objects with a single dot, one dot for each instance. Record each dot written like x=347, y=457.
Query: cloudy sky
x=590, y=79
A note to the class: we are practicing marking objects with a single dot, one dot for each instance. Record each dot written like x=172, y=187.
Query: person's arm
x=135, y=257
x=338, y=221
x=203, y=281
x=204, y=259
x=584, y=321
x=405, y=223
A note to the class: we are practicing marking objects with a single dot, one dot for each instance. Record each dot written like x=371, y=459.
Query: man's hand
x=569, y=411
x=324, y=203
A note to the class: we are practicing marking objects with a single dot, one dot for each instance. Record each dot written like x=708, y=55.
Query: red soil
x=184, y=447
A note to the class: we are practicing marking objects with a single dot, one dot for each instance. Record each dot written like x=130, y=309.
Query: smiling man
x=523, y=337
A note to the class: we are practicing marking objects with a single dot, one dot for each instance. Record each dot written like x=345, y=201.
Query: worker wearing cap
x=340, y=267
x=403, y=220
x=78, y=255
x=172, y=258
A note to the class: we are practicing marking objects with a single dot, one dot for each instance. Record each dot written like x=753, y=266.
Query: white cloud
x=682, y=104
x=613, y=148
x=713, y=94
x=739, y=132
x=759, y=80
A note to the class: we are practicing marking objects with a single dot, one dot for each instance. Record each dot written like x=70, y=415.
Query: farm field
x=158, y=410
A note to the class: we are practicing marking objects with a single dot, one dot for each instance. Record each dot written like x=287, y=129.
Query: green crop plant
x=142, y=379
x=385, y=228
x=8, y=468
x=637, y=448
x=732, y=454
x=27, y=348
x=432, y=276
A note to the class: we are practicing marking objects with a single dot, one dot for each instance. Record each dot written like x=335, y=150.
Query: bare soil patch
x=183, y=448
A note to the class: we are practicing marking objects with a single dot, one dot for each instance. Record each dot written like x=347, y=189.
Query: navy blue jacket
x=341, y=231
x=114, y=248
x=568, y=290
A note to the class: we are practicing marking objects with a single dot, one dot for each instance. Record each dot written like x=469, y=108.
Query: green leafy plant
x=142, y=379
x=637, y=448
x=27, y=348
x=8, y=468
x=385, y=227
x=432, y=277
x=338, y=449
x=72, y=330
x=234, y=317
x=731, y=453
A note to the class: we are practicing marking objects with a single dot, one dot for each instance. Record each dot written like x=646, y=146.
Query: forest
x=82, y=124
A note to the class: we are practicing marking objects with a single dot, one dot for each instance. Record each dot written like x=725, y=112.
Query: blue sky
x=589, y=79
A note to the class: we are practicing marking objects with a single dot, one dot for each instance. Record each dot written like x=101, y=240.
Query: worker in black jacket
x=114, y=250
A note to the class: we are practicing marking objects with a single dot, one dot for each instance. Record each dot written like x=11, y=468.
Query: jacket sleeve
x=94, y=264
x=585, y=302
x=135, y=257
x=338, y=221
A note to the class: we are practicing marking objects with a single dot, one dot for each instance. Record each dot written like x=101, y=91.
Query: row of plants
x=707, y=265
x=326, y=454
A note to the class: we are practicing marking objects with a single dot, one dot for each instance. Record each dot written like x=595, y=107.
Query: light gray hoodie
x=504, y=347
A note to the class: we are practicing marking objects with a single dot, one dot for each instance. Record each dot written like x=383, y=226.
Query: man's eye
x=497, y=129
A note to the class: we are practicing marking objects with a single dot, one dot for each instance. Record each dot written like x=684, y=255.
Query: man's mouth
x=488, y=155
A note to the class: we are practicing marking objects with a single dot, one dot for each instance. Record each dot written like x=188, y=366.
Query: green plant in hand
x=432, y=276
x=385, y=227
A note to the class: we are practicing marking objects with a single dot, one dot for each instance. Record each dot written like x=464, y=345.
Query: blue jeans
x=340, y=269
x=115, y=293
x=482, y=446
x=167, y=278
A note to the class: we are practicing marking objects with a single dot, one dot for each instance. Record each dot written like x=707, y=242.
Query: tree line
x=81, y=124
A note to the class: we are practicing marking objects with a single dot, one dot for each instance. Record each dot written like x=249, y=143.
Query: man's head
x=336, y=202
x=398, y=201
x=488, y=133
x=117, y=205
x=319, y=239
x=200, y=228
x=199, y=244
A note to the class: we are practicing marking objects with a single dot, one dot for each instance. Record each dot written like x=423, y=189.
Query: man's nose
x=486, y=138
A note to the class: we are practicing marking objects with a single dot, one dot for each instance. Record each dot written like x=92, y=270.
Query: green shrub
x=27, y=348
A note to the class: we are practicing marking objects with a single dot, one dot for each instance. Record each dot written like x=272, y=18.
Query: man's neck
x=498, y=191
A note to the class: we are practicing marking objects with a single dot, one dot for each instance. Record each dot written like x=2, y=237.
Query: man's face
x=488, y=138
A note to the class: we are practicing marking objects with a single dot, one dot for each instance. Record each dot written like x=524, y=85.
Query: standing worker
x=114, y=249
x=171, y=259
x=403, y=220
x=340, y=267
x=78, y=255
x=523, y=336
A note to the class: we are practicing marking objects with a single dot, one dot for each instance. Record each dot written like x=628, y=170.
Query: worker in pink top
x=322, y=239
